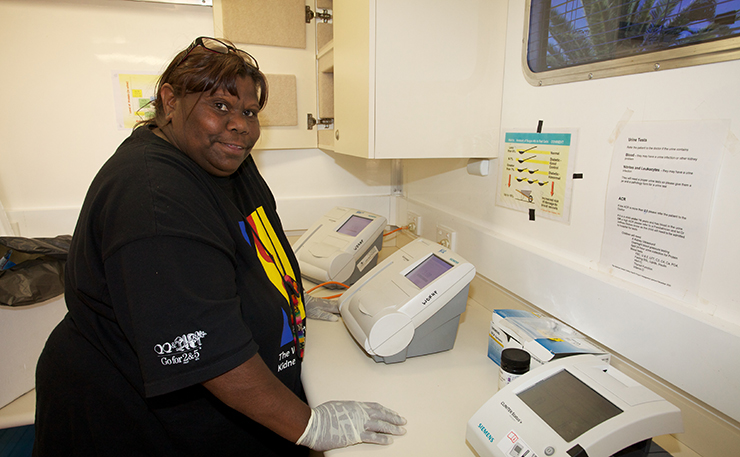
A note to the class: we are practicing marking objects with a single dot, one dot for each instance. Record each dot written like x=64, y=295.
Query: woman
x=186, y=321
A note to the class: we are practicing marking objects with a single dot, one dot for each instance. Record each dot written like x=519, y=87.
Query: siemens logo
x=428, y=299
x=485, y=432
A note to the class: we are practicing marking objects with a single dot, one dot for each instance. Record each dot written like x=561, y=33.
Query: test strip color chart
x=536, y=173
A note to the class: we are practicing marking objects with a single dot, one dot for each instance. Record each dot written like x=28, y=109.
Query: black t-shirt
x=173, y=278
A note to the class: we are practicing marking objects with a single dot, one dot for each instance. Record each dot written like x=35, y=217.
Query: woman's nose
x=238, y=124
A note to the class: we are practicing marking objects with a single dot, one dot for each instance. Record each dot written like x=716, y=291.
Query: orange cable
x=395, y=230
x=325, y=283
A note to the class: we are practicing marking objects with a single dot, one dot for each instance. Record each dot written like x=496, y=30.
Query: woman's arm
x=253, y=390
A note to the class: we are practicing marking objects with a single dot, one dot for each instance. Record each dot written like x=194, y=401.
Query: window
x=572, y=40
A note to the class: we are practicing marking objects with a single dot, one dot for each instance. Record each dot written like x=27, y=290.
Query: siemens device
x=410, y=303
x=341, y=246
x=577, y=406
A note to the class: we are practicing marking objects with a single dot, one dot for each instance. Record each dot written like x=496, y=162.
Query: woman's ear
x=169, y=101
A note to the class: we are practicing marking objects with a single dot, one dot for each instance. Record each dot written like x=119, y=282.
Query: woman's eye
x=250, y=113
x=221, y=106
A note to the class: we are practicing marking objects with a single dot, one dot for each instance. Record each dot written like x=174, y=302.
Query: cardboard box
x=544, y=338
x=23, y=334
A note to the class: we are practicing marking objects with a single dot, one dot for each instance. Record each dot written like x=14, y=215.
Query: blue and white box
x=543, y=337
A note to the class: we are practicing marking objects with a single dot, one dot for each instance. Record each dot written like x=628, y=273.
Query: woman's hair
x=203, y=70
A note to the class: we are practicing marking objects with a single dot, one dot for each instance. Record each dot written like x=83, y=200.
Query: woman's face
x=217, y=131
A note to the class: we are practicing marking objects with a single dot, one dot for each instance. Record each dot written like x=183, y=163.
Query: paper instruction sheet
x=658, y=203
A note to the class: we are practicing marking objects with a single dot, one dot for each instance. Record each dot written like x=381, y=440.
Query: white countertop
x=436, y=393
x=20, y=411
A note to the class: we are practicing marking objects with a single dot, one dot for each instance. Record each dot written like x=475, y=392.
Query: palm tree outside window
x=570, y=40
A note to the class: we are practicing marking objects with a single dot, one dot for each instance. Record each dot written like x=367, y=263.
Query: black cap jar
x=514, y=363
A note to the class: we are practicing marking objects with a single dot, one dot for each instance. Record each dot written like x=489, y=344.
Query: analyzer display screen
x=354, y=225
x=427, y=271
x=568, y=405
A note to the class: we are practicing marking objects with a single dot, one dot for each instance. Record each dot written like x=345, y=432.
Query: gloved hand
x=336, y=424
x=321, y=308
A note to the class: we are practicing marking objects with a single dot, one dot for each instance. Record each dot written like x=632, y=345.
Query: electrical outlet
x=446, y=237
x=414, y=222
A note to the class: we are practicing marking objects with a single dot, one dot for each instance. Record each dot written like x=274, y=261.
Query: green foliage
x=595, y=30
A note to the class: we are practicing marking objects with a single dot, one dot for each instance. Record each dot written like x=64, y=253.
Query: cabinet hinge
x=323, y=14
x=326, y=123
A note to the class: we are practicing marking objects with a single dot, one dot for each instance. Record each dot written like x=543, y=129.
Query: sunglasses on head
x=214, y=45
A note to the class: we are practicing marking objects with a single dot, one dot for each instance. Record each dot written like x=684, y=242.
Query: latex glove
x=336, y=424
x=321, y=308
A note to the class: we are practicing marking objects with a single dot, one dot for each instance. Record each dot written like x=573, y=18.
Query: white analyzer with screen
x=577, y=406
x=341, y=246
x=409, y=304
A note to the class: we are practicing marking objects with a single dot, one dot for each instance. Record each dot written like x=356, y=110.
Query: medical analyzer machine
x=409, y=304
x=341, y=246
x=577, y=406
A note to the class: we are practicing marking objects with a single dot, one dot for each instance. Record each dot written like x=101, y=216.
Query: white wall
x=554, y=265
x=59, y=125
x=308, y=183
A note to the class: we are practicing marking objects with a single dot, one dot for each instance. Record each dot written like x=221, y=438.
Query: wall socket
x=446, y=237
x=414, y=222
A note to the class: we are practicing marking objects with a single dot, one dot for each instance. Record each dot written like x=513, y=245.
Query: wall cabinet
x=418, y=78
x=403, y=79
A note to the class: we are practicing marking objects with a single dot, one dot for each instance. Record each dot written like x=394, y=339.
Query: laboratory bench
x=19, y=412
x=436, y=393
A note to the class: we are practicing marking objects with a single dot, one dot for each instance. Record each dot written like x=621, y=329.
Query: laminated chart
x=536, y=174
x=134, y=94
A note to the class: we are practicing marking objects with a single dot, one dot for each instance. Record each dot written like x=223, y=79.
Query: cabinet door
x=289, y=64
x=418, y=78
x=353, y=91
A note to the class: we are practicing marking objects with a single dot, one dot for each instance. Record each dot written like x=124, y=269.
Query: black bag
x=32, y=269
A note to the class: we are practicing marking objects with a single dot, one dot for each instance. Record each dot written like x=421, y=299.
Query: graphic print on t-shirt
x=278, y=269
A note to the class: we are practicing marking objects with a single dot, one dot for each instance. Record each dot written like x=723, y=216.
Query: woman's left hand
x=321, y=308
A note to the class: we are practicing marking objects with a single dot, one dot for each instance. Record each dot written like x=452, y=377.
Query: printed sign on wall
x=134, y=95
x=536, y=173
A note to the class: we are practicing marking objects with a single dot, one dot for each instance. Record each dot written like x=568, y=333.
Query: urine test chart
x=659, y=202
x=536, y=173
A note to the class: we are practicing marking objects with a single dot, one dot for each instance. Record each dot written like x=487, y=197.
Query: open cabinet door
x=276, y=33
